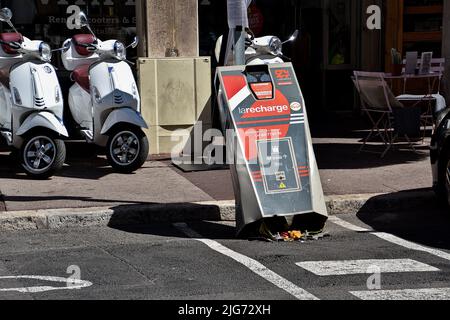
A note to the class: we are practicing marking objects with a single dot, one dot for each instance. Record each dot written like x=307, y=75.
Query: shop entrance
x=324, y=55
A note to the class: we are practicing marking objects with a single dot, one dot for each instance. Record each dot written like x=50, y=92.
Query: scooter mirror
x=294, y=36
x=84, y=22
x=6, y=15
x=135, y=42
x=83, y=19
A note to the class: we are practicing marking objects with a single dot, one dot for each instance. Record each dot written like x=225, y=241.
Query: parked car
x=440, y=156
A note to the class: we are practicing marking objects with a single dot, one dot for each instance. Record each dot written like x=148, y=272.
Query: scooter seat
x=81, y=41
x=81, y=76
x=7, y=37
x=4, y=77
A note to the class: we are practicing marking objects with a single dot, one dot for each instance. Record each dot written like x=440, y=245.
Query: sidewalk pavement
x=87, y=183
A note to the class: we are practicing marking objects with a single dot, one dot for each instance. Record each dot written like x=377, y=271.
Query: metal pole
x=238, y=22
x=239, y=45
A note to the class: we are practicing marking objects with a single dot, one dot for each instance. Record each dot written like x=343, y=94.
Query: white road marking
x=412, y=246
x=251, y=264
x=71, y=284
x=393, y=239
x=340, y=268
x=409, y=294
x=346, y=224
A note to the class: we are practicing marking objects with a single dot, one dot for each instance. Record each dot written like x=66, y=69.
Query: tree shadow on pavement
x=91, y=167
x=347, y=156
x=206, y=230
x=140, y=219
x=422, y=220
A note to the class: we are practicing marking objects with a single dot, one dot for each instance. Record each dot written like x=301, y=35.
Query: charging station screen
x=278, y=166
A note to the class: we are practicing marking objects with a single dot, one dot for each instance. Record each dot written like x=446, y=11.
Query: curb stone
x=188, y=212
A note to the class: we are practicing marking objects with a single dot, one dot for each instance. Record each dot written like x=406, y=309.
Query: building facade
x=335, y=38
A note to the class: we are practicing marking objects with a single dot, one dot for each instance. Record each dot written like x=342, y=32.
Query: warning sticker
x=279, y=167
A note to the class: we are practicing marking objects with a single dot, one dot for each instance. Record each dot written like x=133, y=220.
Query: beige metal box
x=175, y=94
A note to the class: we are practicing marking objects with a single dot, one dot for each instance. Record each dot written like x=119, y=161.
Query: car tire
x=442, y=188
x=445, y=178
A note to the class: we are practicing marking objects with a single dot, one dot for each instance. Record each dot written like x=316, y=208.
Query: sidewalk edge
x=186, y=212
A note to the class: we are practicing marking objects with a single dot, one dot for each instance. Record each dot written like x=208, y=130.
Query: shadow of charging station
x=269, y=147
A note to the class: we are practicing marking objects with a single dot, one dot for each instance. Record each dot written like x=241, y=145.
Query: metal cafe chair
x=389, y=118
x=434, y=81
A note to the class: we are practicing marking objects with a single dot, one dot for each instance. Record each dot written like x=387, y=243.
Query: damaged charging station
x=274, y=170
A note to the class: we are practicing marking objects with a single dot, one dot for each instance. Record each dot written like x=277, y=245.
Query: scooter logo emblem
x=110, y=69
x=48, y=70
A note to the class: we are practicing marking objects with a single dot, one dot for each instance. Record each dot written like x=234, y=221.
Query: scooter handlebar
x=285, y=58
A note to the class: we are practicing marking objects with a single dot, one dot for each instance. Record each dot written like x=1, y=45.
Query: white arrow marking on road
x=392, y=239
x=410, y=294
x=253, y=265
x=340, y=268
x=71, y=284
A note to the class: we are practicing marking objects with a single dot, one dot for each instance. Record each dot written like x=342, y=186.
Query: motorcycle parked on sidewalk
x=31, y=103
x=104, y=100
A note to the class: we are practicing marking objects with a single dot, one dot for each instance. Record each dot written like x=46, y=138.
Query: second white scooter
x=105, y=101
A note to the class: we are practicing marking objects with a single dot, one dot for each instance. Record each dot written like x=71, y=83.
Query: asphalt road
x=404, y=255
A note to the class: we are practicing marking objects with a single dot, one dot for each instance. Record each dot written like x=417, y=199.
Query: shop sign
x=74, y=8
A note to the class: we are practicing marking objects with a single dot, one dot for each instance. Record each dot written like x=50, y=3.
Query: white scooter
x=31, y=103
x=104, y=101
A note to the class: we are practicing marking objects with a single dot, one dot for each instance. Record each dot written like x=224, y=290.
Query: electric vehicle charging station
x=272, y=161
x=270, y=152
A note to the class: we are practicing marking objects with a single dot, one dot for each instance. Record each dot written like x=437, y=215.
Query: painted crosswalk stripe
x=251, y=264
x=392, y=239
x=412, y=246
x=350, y=267
x=346, y=225
x=408, y=294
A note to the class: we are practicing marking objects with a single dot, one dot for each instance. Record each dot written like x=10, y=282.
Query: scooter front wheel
x=42, y=156
x=127, y=149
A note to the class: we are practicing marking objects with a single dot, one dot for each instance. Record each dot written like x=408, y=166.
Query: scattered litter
x=265, y=234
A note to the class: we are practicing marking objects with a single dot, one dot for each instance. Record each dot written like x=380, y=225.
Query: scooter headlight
x=45, y=51
x=120, y=51
x=275, y=46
